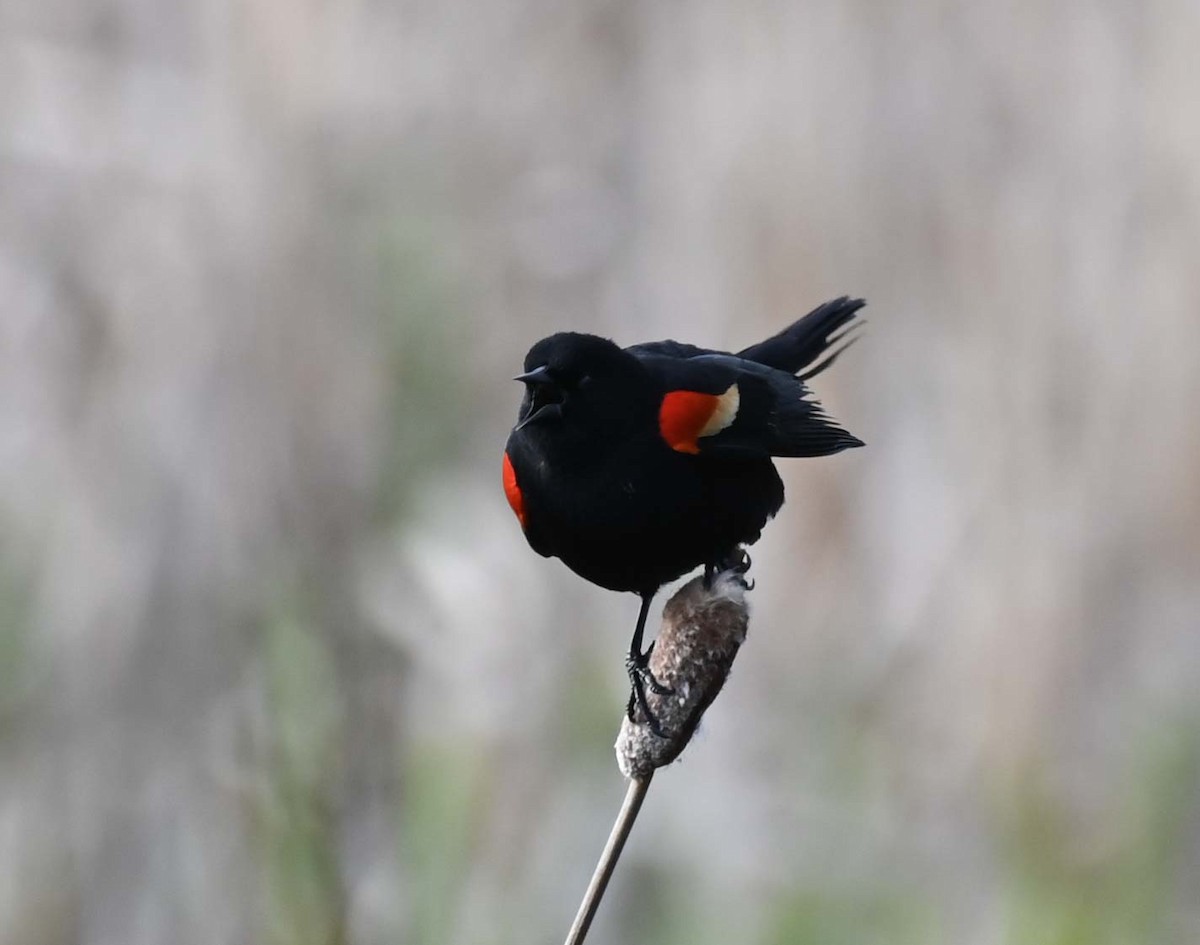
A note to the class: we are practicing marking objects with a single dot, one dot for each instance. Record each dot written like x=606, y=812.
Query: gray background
x=275, y=663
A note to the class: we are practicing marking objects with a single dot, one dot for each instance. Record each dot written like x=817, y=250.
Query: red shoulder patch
x=683, y=416
x=512, y=491
x=687, y=415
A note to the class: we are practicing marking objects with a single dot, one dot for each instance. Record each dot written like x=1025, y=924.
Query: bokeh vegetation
x=275, y=662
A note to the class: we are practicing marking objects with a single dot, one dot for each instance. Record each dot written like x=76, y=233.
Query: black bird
x=636, y=465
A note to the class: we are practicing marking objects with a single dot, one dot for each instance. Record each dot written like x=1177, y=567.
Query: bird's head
x=581, y=382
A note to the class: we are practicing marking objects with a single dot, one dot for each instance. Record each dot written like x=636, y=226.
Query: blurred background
x=276, y=665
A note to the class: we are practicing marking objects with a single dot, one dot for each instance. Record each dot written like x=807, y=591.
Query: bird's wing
x=722, y=405
x=669, y=349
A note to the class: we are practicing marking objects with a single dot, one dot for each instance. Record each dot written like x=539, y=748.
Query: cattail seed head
x=702, y=628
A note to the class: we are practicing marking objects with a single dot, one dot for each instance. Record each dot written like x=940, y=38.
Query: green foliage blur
x=276, y=664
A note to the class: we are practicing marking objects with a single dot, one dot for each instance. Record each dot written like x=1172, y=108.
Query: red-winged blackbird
x=636, y=465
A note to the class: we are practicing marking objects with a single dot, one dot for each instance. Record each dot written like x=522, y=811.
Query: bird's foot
x=640, y=676
x=639, y=665
x=737, y=561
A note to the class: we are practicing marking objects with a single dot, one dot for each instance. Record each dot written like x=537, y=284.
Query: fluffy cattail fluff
x=701, y=631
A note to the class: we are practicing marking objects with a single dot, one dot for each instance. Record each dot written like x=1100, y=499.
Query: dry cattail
x=702, y=628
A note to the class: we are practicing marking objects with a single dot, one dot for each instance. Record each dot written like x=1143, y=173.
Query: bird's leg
x=637, y=663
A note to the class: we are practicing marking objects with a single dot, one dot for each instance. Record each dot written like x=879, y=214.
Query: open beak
x=544, y=396
x=539, y=375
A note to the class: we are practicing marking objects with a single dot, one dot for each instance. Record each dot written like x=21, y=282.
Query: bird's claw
x=737, y=562
x=640, y=676
x=638, y=664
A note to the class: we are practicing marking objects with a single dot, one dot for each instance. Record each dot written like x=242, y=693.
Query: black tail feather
x=828, y=362
x=801, y=343
x=804, y=429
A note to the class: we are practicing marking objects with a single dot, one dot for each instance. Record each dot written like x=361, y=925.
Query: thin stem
x=608, y=859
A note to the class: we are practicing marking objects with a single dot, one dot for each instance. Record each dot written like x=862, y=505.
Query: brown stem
x=634, y=796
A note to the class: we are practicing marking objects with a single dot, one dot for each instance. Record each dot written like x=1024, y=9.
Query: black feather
x=777, y=415
x=802, y=342
x=668, y=349
x=597, y=478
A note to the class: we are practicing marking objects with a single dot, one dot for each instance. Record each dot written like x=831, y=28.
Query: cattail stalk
x=702, y=628
x=634, y=795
